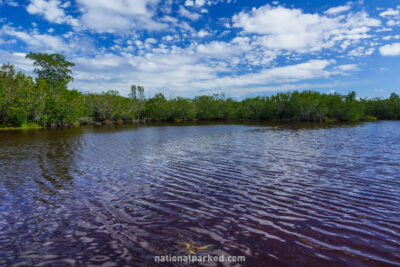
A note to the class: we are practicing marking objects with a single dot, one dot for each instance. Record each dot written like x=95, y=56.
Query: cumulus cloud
x=182, y=74
x=187, y=14
x=390, y=49
x=9, y=2
x=220, y=49
x=203, y=33
x=52, y=11
x=119, y=15
x=389, y=12
x=337, y=10
x=200, y=2
x=35, y=40
x=45, y=42
x=347, y=67
x=301, y=31
x=291, y=73
x=392, y=15
x=189, y=3
x=264, y=49
x=186, y=73
x=361, y=51
x=154, y=71
x=18, y=60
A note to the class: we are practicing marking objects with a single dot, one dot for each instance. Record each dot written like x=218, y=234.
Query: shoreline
x=183, y=123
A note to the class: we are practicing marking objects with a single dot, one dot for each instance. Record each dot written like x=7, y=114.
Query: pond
x=276, y=194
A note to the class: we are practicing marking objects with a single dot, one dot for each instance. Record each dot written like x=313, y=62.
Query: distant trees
x=47, y=101
x=138, y=101
x=383, y=109
x=109, y=106
x=211, y=107
x=181, y=109
x=15, y=106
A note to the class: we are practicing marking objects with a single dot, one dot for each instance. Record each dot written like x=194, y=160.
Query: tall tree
x=53, y=68
x=138, y=99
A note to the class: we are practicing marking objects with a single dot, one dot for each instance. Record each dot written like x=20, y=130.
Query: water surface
x=279, y=195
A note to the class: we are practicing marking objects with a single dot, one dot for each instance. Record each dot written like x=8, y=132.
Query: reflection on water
x=277, y=194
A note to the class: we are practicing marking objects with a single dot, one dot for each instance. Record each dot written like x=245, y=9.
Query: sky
x=242, y=48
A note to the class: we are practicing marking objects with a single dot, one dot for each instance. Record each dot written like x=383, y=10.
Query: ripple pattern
x=279, y=196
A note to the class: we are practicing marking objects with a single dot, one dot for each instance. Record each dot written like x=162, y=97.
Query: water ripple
x=277, y=195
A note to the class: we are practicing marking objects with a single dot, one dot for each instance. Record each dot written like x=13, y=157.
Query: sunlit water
x=278, y=195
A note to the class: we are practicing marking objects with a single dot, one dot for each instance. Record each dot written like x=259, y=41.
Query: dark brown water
x=278, y=195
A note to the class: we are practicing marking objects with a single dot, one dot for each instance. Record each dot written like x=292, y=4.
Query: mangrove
x=45, y=100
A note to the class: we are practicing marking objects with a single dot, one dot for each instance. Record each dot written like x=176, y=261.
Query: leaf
x=203, y=247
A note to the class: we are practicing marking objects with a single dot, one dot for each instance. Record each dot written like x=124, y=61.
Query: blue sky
x=186, y=48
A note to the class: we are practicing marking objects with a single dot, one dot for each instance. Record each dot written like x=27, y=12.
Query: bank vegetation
x=45, y=101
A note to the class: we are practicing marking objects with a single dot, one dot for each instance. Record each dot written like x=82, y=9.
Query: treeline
x=46, y=101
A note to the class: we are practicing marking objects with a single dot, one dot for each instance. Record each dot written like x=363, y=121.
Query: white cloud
x=337, y=10
x=241, y=63
x=51, y=10
x=390, y=49
x=189, y=3
x=66, y=4
x=187, y=14
x=200, y=2
x=218, y=50
x=389, y=12
x=4, y=42
x=202, y=33
x=292, y=73
x=12, y=3
x=119, y=15
x=187, y=74
x=387, y=38
x=393, y=16
x=303, y=32
x=18, y=60
x=393, y=22
x=347, y=67
x=238, y=92
x=177, y=70
x=361, y=51
x=384, y=30
x=168, y=38
x=36, y=40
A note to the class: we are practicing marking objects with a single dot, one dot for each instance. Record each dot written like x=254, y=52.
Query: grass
x=24, y=126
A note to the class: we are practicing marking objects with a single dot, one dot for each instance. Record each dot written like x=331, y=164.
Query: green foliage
x=137, y=101
x=53, y=68
x=157, y=108
x=211, y=107
x=109, y=106
x=30, y=125
x=15, y=106
x=384, y=109
x=181, y=109
x=27, y=103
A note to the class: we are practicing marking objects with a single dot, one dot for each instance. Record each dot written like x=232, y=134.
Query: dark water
x=278, y=195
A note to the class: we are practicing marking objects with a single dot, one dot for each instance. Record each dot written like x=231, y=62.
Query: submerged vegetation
x=45, y=101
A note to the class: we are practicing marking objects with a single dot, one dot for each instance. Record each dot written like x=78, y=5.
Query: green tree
x=157, y=108
x=138, y=101
x=53, y=68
